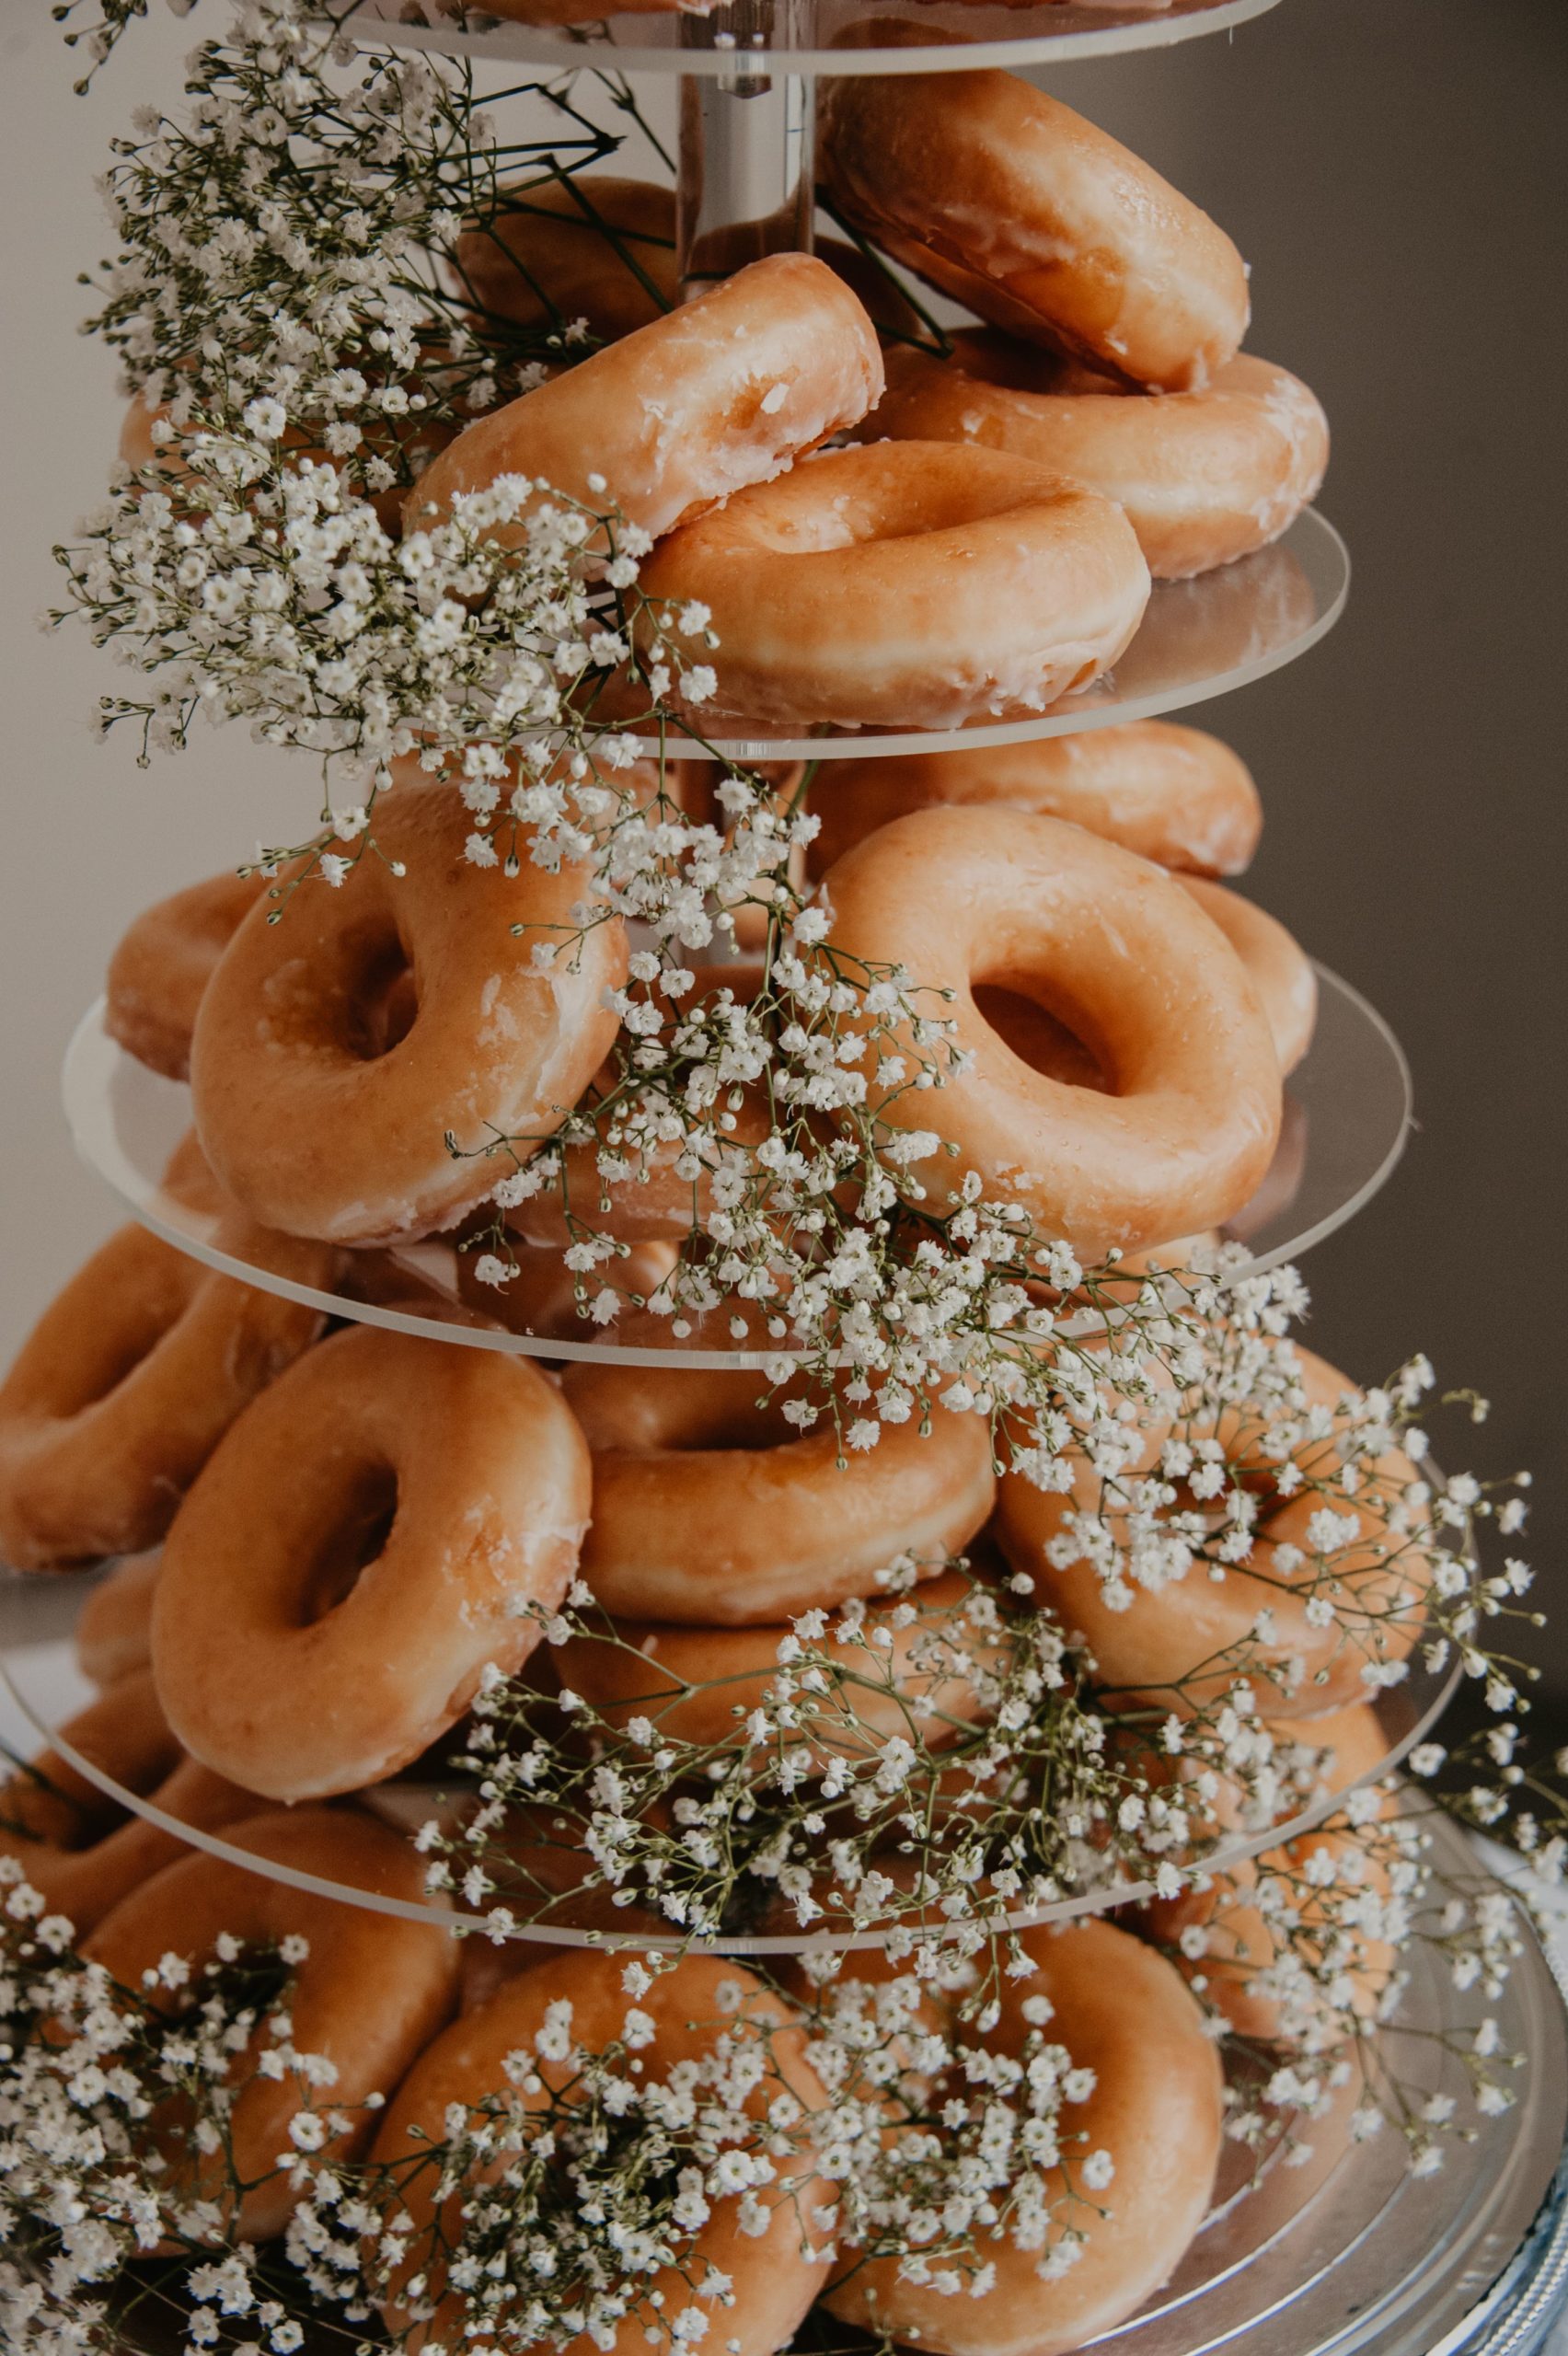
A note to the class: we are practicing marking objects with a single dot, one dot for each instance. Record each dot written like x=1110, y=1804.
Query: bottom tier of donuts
x=1289, y=2111
x=593, y=1855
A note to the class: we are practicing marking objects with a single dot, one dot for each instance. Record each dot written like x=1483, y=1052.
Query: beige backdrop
x=1394, y=170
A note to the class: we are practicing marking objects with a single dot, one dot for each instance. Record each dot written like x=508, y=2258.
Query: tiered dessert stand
x=1347, y=2251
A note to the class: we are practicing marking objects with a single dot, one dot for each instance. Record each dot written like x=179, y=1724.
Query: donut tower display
x=743, y=1691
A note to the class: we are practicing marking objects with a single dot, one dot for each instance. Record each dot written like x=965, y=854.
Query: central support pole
x=745, y=185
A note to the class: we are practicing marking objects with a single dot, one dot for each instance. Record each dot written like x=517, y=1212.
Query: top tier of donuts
x=982, y=541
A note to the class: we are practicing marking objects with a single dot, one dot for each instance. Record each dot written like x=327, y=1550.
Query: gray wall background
x=1395, y=172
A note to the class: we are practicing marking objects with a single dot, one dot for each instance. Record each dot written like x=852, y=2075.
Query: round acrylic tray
x=43, y=1689
x=795, y=36
x=1348, y=1115
x=1198, y=639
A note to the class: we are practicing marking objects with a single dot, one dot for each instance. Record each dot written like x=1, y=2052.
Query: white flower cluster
x=942, y=2143
x=976, y=1780
x=284, y=310
x=250, y=589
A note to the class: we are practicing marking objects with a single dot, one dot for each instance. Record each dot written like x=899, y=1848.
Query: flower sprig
x=977, y=1781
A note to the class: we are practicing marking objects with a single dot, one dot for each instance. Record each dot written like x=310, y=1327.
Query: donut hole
x=740, y=1429
x=380, y=1007
x=353, y=1539
x=1039, y=1036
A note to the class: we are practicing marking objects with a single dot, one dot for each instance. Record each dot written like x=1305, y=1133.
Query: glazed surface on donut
x=774, y=2275
x=1032, y=217
x=1277, y=966
x=723, y=392
x=908, y=1676
x=369, y=1539
x=967, y=898
x=920, y=585
x=714, y=1510
x=1156, y=2109
x=371, y=1993
x=1182, y=1639
x=1172, y=794
x=318, y=1124
x=162, y=967
x=1204, y=477
x=128, y=1382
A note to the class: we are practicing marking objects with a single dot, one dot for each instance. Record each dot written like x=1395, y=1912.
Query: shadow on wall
x=1397, y=179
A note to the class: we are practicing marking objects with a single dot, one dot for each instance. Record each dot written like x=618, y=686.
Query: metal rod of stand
x=746, y=168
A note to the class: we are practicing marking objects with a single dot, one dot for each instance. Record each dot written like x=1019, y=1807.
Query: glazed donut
x=1277, y=966
x=541, y=1295
x=313, y=1128
x=1044, y=910
x=1204, y=477
x=363, y=1544
x=165, y=961
x=1172, y=794
x=78, y=1847
x=126, y=1384
x=113, y=1635
x=1018, y=208
x=722, y=392
x=1181, y=1644
x=700, y=1685
x=1156, y=2109
x=372, y=1992
x=1240, y=1964
x=713, y=1509
x=708, y=2015
x=911, y=583
x=664, y=1158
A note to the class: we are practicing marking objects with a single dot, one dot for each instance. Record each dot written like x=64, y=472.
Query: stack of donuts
x=980, y=540
x=330, y=1539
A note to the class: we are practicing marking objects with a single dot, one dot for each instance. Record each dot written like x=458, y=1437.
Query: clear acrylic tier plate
x=796, y=36
x=1347, y=1116
x=43, y=1690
